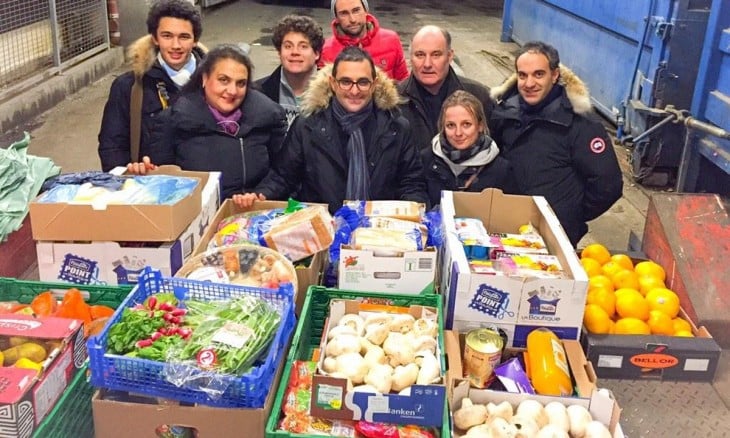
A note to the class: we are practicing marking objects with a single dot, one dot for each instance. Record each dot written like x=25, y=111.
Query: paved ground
x=68, y=135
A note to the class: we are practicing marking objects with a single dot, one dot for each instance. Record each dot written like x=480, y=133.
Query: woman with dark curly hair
x=298, y=40
x=219, y=124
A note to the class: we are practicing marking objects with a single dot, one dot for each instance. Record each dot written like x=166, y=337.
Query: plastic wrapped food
x=248, y=265
x=248, y=227
x=302, y=233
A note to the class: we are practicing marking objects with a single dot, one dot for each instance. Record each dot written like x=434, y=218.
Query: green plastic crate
x=71, y=417
x=309, y=333
x=24, y=291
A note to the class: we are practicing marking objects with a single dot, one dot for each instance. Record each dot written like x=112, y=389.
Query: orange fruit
x=626, y=279
x=603, y=298
x=597, y=252
x=623, y=260
x=664, y=300
x=632, y=305
x=631, y=326
x=591, y=266
x=680, y=324
x=660, y=323
x=600, y=281
x=648, y=282
x=611, y=268
x=684, y=334
x=650, y=268
x=596, y=320
x=628, y=291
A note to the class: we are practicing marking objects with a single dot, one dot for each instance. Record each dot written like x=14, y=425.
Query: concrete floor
x=68, y=132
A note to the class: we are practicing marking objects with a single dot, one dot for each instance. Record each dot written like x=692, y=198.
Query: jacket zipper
x=243, y=161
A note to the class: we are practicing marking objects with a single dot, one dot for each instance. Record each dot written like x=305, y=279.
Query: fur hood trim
x=318, y=94
x=575, y=89
x=143, y=54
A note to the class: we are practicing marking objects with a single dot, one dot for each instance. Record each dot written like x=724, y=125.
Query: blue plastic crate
x=147, y=376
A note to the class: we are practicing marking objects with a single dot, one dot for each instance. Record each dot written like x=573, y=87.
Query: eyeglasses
x=347, y=84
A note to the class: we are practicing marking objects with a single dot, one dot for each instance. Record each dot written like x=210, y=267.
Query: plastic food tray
x=147, y=376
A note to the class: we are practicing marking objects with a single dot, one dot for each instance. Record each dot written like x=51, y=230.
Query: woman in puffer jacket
x=462, y=156
x=220, y=124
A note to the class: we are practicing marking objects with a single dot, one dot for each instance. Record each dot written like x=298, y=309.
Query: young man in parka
x=162, y=63
x=545, y=126
x=349, y=143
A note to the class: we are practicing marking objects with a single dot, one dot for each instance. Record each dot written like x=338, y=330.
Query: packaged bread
x=302, y=233
x=416, y=230
x=405, y=210
x=381, y=239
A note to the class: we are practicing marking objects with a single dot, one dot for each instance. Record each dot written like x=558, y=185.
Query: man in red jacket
x=354, y=26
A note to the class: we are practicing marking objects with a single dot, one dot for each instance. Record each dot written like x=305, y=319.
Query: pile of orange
x=629, y=299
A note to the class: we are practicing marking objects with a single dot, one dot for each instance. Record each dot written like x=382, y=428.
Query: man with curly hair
x=162, y=62
x=298, y=40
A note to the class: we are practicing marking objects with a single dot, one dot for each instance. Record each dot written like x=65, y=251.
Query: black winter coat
x=496, y=174
x=413, y=108
x=114, y=139
x=195, y=142
x=312, y=160
x=562, y=155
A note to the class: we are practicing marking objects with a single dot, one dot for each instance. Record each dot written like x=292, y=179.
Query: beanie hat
x=364, y=4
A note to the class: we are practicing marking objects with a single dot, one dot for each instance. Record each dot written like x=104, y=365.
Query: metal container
x=482, y=352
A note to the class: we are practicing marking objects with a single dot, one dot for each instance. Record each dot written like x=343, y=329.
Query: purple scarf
x=228, y=124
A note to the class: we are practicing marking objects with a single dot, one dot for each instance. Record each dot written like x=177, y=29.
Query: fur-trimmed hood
x=318, y=94
x=143, y=53
x=575, y=89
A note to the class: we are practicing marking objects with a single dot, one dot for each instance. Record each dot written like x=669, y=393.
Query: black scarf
x=458, y=156
x=358, y=174
x=530, y=111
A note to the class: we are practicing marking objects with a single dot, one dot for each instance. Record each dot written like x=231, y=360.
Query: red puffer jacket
x=383, y=45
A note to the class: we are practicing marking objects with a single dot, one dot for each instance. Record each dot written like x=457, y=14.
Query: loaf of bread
x=412, y=229
x=383, y=239
x=302, y=233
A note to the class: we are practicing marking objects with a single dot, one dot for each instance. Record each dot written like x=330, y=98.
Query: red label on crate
x=654, y=360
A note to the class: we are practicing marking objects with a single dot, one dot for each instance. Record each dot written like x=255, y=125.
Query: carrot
x=100, y=311
x=44, y=304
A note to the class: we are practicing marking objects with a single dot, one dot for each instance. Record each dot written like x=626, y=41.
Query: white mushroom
x=479, y=431
x=526, y=427
x=469, y=414
x=579, y=418
x=500, y=428
x=376, y=333
x=430, y=371
x=502, y=410
x=552, y=431
x=353, y=366
x=404, y=376
x=534, y=410
x=558, y=415
x=353, y=320
x=341, y=345
x=380, y=377
x=375, y=356
x=402, y=323
x=398, y=350
x=329, y=365
x=596, y=429
x=424, y=342
x=427, y=327
x=378, y=318
x=341, y=330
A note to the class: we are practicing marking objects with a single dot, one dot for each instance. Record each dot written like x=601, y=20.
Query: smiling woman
x=220, y=124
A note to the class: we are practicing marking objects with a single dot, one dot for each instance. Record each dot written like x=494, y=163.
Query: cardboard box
x=122, y=262
x=27, y=397
x=602, y=406
x=118, y=419
x=409, y=272
x=130, y=223
x=654, y=356
x=331, y=398
x=306, y=276
x=517, y=305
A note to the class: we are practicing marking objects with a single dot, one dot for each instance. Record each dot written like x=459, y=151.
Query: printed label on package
x=491, y=301
x=78, y=270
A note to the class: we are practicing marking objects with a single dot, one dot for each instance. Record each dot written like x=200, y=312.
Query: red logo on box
x=654, y=360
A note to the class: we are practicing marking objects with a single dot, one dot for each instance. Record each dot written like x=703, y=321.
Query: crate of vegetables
x=291, y=417
x=193, y=341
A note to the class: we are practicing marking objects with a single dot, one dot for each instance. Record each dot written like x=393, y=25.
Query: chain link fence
x=38, y=36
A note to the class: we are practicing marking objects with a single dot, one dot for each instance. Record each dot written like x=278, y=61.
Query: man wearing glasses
x=353, y=25
x=348, y=143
